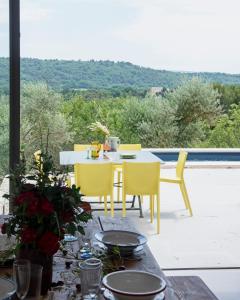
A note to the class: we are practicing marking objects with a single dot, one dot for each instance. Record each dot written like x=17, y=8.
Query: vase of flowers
x=44, y=209
x=102, y=133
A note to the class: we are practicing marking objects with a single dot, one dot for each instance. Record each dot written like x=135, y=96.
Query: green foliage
x=42, y=124
x=195, y=103
x=4, y=136
x=147, y=121
x=175, y=120
x=227, y=131
x=229, y=94
x=65, y=75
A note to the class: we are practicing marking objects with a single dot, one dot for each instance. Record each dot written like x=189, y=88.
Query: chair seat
x=171, y=180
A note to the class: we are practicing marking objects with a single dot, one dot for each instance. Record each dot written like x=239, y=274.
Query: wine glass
x=21, y=275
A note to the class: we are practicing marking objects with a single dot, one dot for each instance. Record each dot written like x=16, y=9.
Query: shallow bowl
x=126, y=241
x=132, y=285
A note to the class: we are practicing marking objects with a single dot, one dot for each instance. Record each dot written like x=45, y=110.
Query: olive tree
x=195, y=103
x=42, y=123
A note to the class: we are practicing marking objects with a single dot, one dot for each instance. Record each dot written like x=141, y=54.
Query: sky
x=179, y=35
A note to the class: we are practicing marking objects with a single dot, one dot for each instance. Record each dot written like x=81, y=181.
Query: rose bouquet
x=44, y=207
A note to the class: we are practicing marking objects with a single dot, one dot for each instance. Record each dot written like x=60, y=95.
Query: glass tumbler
x=90, y=276
x=21, y=275
x=34, y=292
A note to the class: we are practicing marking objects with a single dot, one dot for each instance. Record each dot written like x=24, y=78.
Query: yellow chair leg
x=112, y=206
x=151, y=208
x=105, y=206
x=100, y=199
x=158, y=214
x=183, y=194
x=124, y=205
x=187, y=199
x=118, y=187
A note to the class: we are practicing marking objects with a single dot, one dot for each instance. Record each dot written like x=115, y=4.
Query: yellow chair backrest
x=129, y=147
x=141, y=178
x=95, y=179
x=37, y=156
x=81, y=147
x=182, y=157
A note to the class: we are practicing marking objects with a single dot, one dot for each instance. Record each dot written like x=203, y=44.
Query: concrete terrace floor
x=209, y=239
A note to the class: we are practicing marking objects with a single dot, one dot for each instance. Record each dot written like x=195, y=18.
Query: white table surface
x=73, y=157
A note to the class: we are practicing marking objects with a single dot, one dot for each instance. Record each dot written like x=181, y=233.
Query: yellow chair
x=81, y=147
x=118, y=168
x=130, y=147
x=179, y=179
x=96, y=180
x=142, y=179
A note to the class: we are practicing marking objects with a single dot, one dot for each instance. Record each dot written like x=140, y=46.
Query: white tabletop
x=73, y=157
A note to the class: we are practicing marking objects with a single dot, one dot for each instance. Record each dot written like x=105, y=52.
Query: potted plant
x=44, y=209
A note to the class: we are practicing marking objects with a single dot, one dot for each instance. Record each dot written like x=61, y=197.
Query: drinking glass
x=21, y=275
x=84, y=240
x=90, y=276
x=34, y=291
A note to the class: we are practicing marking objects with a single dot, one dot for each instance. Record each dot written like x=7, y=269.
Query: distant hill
x=70, y=74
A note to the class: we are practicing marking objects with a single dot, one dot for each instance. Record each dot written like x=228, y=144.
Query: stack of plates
x=127, y=156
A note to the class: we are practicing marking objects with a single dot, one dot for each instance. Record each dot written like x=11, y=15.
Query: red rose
x=4, y=228
x=28, y=235
x=46, y=207
x=32, y=208
x=31, y=199
x=86, y=206
x=48, y=243
x=67, y=216
x=23, y=197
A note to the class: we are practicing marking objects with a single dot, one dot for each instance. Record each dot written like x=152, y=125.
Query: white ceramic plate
x=127, y=241
x=109, y=296
x=7, y=288
x=134, y=284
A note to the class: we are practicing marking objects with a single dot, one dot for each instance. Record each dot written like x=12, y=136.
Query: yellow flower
x=99, y=127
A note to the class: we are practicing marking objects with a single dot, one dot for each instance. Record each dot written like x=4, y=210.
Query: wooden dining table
x=178, y=287
x=186, y=287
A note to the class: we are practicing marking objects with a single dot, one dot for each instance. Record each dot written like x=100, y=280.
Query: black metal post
x=14, y=116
